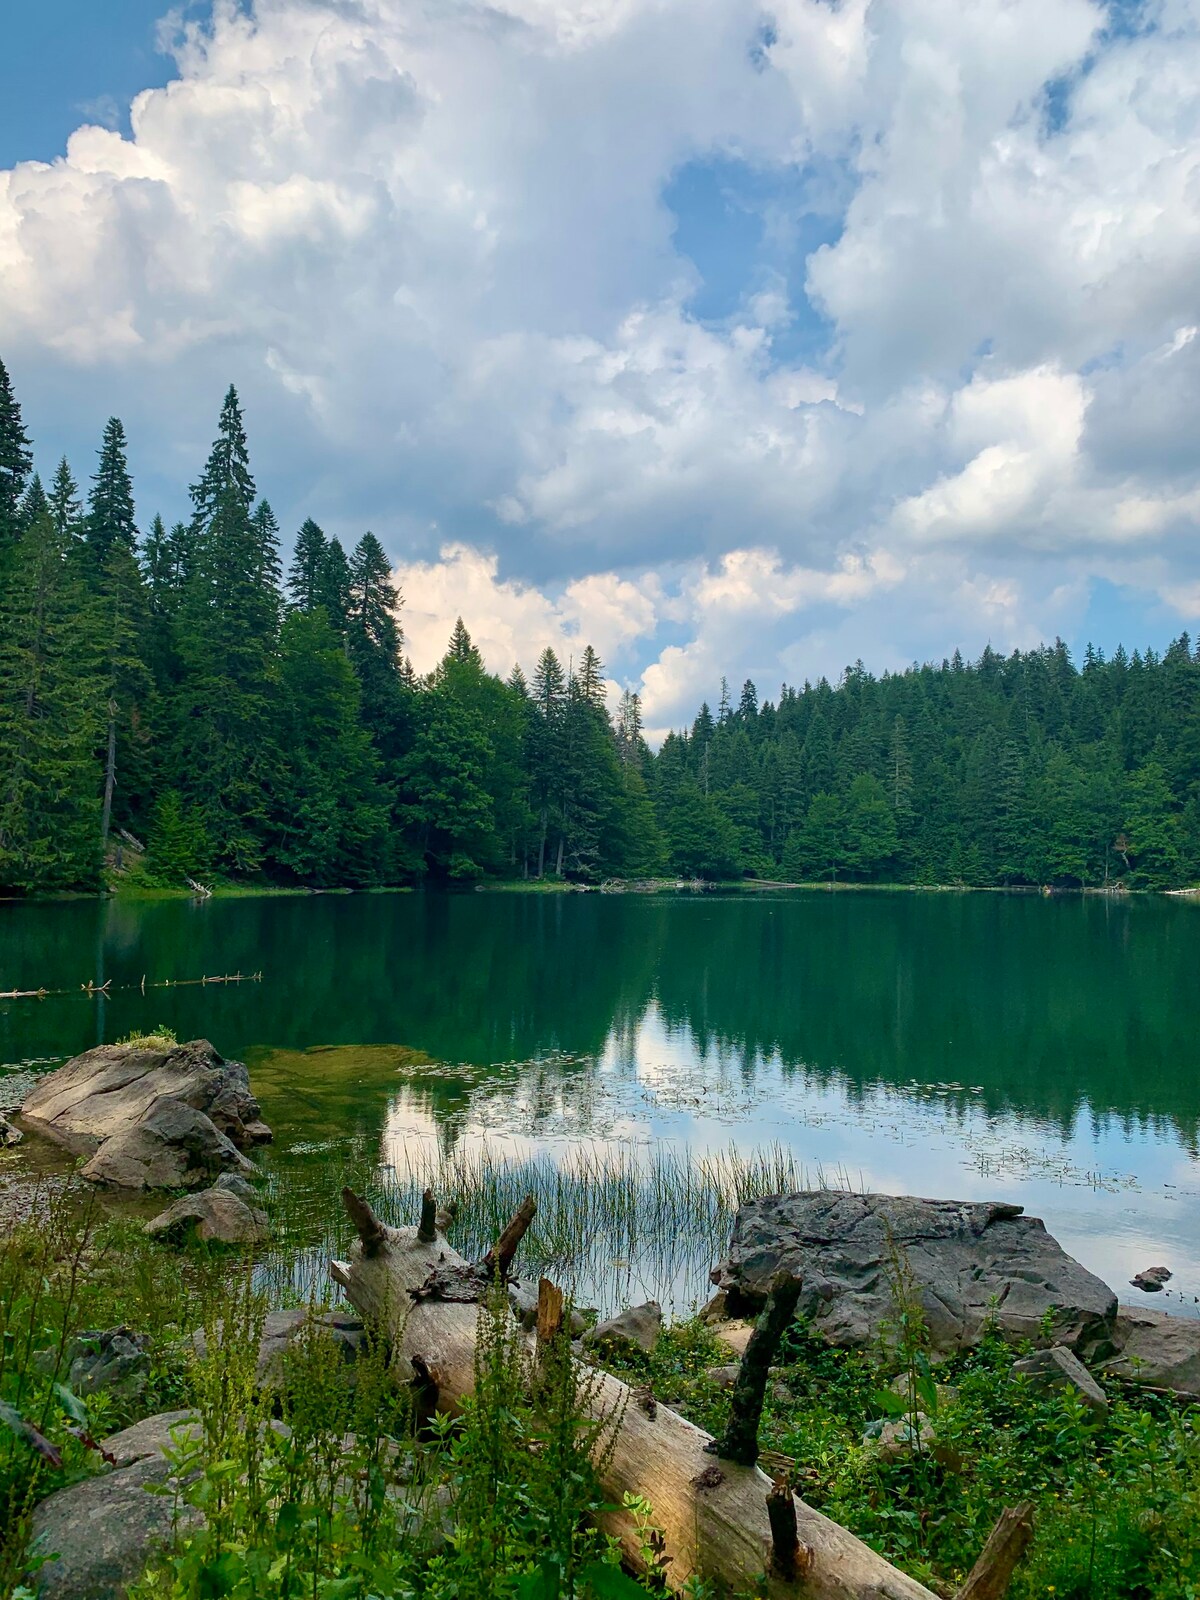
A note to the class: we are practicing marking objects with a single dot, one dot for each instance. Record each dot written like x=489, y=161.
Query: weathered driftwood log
x=991, y=1575
x=712, y=1513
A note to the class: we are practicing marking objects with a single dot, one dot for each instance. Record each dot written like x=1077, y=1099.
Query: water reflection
x=967, y=1046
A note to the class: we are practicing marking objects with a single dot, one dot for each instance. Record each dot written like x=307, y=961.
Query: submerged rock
x=640, y=1326
x=8, y=1134
x=1152, y=1279
x=972, y=1264
x=1158, y=1350
x=215, y=1216
x=236, y=1184
x=1060, y=1368
x=169, y=1116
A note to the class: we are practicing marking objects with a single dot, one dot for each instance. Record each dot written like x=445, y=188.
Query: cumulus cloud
x=432, y=246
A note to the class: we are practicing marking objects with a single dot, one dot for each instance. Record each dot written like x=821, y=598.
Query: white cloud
x=431, y=246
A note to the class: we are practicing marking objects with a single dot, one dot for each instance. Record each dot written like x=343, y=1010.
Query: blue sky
x=66, y=61
x=737, y=345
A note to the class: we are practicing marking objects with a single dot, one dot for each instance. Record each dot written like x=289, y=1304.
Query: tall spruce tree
x=65, y=506
x=123, y=616
x=304, y=574
x=332, y=588
x=224, y=759
x=16, y=459
x=50, y=719
x=110, y=518
x=329, y=816
x=547, y=752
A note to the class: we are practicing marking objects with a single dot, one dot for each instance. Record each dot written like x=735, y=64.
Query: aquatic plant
x=613, y=1223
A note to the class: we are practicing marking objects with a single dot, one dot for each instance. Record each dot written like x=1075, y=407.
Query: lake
x=947, y=1045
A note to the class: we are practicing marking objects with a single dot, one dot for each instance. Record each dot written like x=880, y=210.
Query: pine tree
x=110, y=518
x=374, y=602
x=546, y=749
x=49, y=720
x=158, y=565
x=223, y=758
x=16, y=459
x=33, y=502
x=329, y=816
x=332, y=589
x=305, y=571
x=226, y=478
x=449, y=810
x=591, y=677
x=123, y=616
x=66, y=509
x=461, y=648
x=631, y=747
x=177, y=847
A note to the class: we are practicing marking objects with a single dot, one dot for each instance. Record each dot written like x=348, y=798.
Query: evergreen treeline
x=173, y=685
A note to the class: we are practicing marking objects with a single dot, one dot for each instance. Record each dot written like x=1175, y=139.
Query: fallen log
x=712, y=1512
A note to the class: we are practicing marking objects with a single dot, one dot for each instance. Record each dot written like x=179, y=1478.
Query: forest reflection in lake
x=945, y=1044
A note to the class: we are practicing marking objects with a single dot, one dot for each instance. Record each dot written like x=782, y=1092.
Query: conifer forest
x=175, y=693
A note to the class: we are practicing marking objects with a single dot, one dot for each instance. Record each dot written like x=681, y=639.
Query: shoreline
x=150, y=894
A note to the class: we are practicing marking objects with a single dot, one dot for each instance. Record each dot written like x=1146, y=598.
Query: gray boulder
x=281, y=1328
x=1060, y=1368
x=236, y=1184
x=115, y=1360
x=9, y=1135
x=215, y=1216
x=102, y=1532
x=971, y=1263
x=171, y=1146
x=723, y=1377
x=153, y=1436
x=1157, y=1349
x=640, y=1326
x=122, y=1105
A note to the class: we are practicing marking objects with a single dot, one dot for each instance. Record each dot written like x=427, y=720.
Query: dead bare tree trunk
x=712, y=1512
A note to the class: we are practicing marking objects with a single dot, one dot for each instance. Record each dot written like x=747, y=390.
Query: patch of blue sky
x=747, y=229
x=67, y=62
x=1119, y=615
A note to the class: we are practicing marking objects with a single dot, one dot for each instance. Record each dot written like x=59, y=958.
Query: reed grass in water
x=612, y=1224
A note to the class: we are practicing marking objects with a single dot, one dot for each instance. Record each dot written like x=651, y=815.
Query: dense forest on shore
x=175, y=685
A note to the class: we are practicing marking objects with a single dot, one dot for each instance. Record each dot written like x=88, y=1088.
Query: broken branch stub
x=740, y=1440
x=367, y=1225
x=1008, y=1541
x=500, y=1257
x=427, y=1228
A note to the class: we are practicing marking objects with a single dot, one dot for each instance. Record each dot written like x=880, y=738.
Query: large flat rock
x=1157, y=1349
x=971, y=1261
x=148, y=1118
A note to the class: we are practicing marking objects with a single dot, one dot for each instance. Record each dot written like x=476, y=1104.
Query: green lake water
x=966, y=1046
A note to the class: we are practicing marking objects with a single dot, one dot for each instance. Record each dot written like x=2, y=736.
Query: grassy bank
x=349, y=1499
